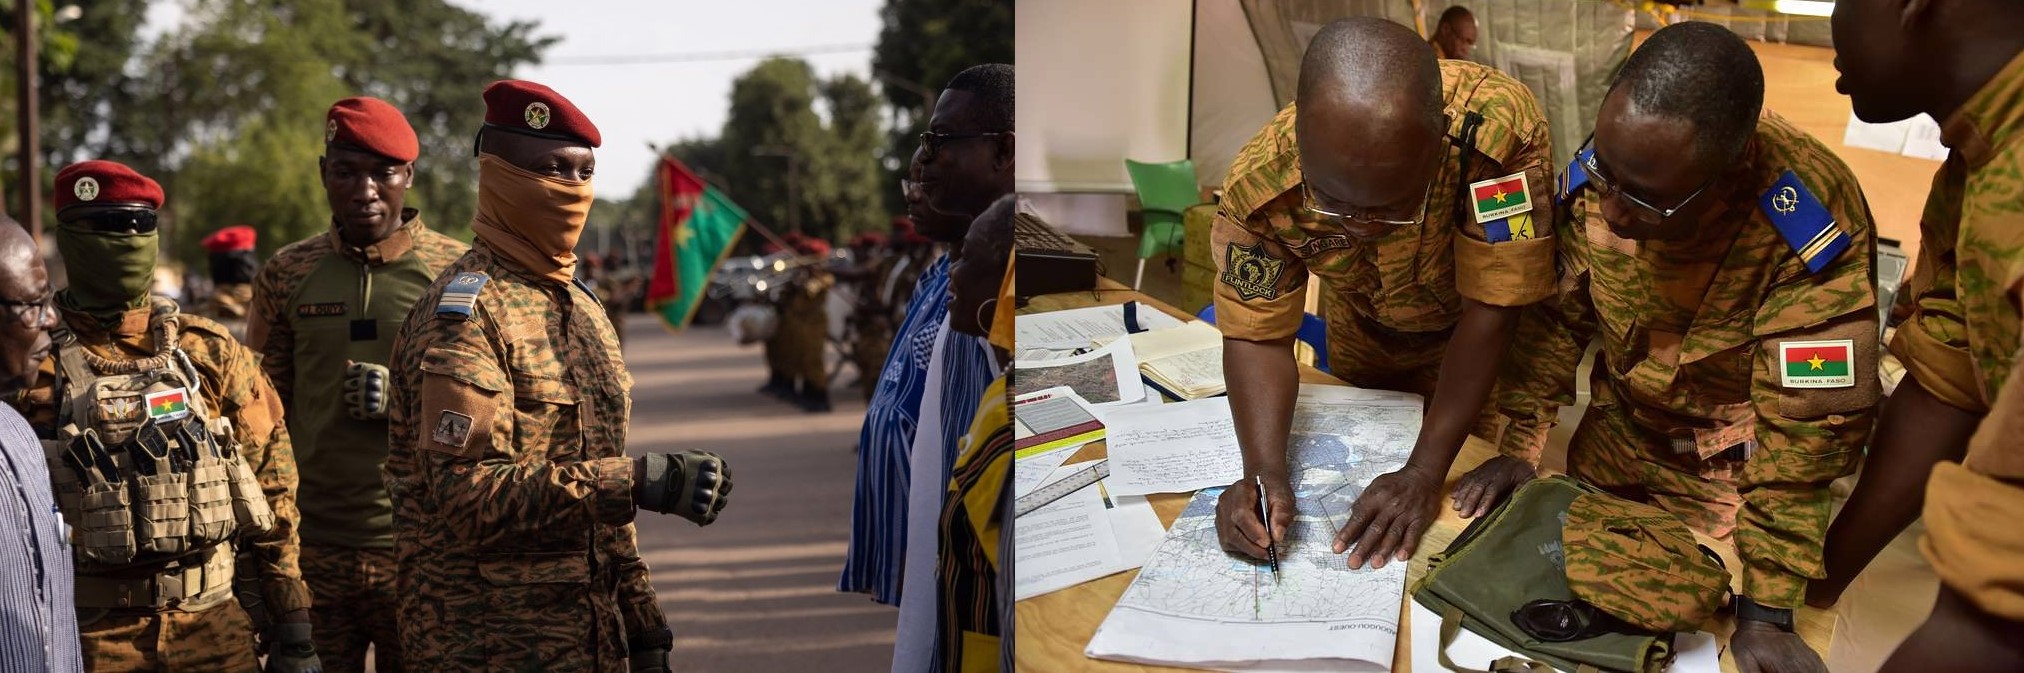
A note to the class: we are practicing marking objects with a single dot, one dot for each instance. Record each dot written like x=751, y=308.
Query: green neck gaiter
x=109, y=273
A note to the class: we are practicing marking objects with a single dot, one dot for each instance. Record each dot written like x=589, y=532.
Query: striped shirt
x=38, y=616
x=878, y=535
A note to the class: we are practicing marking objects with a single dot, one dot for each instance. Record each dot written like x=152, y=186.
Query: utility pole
x=793, y=168
x=30, y=188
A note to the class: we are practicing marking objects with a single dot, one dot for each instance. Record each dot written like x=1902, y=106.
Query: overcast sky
x=639, y=103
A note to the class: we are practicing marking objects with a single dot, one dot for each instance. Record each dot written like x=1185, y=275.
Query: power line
x=708, y=56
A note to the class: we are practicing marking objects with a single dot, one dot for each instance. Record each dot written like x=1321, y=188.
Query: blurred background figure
x=233, y=265
x=1455, y=36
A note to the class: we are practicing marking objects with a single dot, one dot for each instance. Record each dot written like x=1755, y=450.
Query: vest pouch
x=211, y=513
x=1513, y=557
x=98, y=510
x=161, y=493
x=249, y=502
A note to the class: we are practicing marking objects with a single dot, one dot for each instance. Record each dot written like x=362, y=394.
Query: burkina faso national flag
x=1500, y=197
x=168, y=404
x=699, y=225
x=1818, y=364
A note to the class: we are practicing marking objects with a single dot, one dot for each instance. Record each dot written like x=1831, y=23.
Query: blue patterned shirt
x=38, y=616
x=878, y=531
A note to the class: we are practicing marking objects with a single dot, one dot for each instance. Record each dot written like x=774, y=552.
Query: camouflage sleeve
x=1810, y=428
x=1933, y=342
x=1512, y=265
x=269, y=333
x=1261, y=287
x=1974, y=558
x=646, y=626
x=1538, y=375
x=480, y=454
x=241, y=392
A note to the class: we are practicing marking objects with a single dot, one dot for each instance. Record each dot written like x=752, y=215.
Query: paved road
x=756, y=590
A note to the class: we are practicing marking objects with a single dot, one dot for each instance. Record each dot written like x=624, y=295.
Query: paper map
x=1195, y=605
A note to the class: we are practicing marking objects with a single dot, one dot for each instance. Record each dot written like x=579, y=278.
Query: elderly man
x=513, y=499
x=1951, y=430
x=324, y=314
x=38, y=622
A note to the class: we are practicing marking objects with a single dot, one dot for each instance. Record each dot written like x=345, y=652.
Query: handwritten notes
x=1173, y=448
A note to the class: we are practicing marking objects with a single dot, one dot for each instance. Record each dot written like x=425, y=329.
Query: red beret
x=372, y=125
x=232, y=238
x=98, y=181
x=812, y=246
x=525, y=107
x=872, y=238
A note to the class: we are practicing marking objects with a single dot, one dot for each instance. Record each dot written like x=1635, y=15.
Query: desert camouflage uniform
x=1390, y=303
x=512, y=493
x=1962, y=342
x=804, y=327
x=205, y=635
x=314, y=309
x=1689, y=407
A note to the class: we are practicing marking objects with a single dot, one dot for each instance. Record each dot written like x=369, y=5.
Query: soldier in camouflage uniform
x=804, y=325
x=513, y=497
x=168, y=605
x=1734, y=295
x=324, y=314
x=1408, y=185
x=1952, y=428
x=233, y=265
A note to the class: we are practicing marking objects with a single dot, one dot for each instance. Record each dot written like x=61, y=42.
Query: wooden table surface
x=1053, y=629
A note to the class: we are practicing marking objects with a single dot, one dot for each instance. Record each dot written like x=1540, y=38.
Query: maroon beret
x=372, y=125
x=98, y=181
x=525, y=107
x=232, y=238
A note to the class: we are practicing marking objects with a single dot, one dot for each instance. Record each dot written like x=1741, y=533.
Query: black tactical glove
x=650, y=661
x=691, y=484
x=365, y=391
x=293, y=651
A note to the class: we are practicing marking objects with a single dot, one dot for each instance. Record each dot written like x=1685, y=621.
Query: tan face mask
x=530, y=219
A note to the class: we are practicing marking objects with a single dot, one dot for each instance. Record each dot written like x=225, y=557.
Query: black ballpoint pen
x=1265, y=515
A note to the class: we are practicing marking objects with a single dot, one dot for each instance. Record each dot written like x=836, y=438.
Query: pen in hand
x=1265, y=515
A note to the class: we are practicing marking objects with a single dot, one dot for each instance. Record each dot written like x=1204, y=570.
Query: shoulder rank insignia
x=461, y=295
x=1577, y=174
x=1252, y=272
x=1803, y=221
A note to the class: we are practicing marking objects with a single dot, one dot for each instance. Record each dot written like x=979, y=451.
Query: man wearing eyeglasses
x=168, y=408
x=38, y=618
x=1949, y=438
x=1416, y=190
x=323, y=317
x=1724, y=258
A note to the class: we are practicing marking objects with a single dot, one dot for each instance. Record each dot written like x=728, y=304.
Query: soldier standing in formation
x=233, y=263
x=324, y=315
x=804, y=325
x=513, y=497
x=1725, y=260
x=1416, y=190
x=206, y=459
x=1951, y=430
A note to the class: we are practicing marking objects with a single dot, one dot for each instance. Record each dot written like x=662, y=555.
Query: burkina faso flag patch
x=1817, y=364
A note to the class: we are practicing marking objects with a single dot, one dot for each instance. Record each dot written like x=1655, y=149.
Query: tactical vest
x=148, y=476
x=343, y=311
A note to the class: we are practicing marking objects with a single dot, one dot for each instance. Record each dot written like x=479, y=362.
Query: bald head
x=1370, y=121
x=23, y=344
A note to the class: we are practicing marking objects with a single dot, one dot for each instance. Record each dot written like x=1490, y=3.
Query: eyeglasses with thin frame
x=932, y=141
x=1307, y=196
x=34, y=313
x=1608, y=187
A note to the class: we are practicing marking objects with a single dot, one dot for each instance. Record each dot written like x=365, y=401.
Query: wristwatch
x=1750, y=610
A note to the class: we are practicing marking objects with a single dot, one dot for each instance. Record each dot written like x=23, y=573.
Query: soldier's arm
x=245, y=396
x=1806, y=436
x=1260, y=298
x=269, y=333
x=476, y=461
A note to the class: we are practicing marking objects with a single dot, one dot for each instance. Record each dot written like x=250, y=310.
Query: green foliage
x=227, y=110
x=923, y=44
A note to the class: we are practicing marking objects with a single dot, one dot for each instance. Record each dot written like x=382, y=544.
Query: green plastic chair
x=1164, y=191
